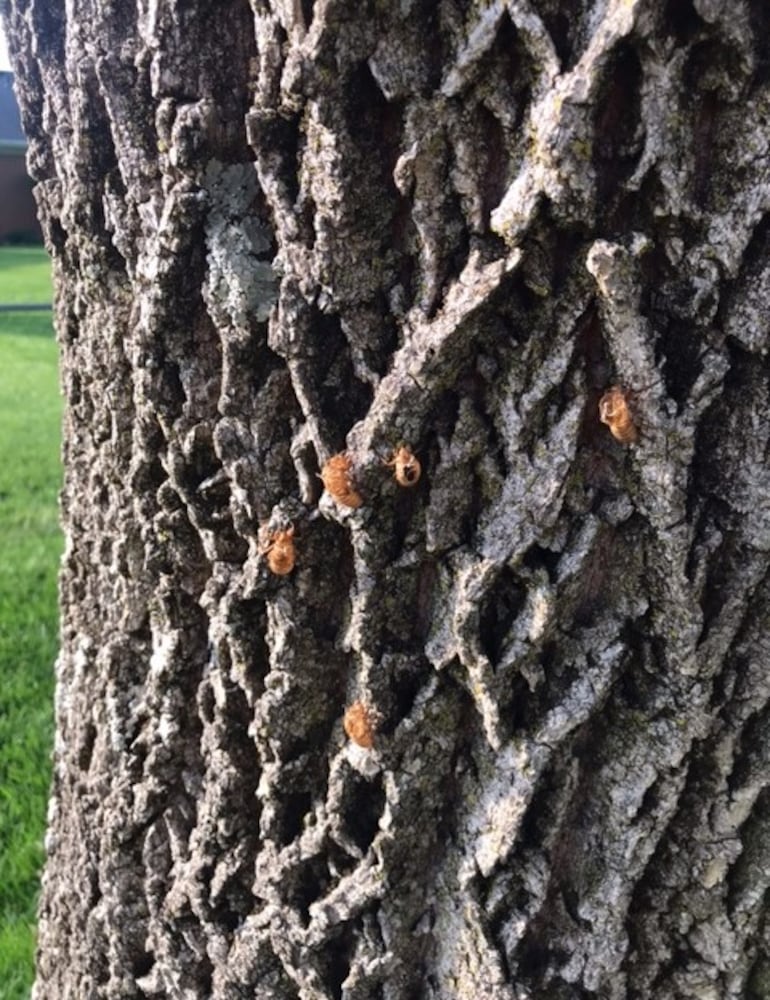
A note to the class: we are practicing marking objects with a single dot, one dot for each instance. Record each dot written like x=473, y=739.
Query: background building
x=18, y=213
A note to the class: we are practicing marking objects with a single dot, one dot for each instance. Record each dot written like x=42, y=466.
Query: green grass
x=25, y=275
x=30, y=545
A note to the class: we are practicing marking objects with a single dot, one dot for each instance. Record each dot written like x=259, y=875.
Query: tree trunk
x=285, y=232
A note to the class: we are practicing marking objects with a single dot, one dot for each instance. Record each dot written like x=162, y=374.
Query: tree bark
x=284, y=231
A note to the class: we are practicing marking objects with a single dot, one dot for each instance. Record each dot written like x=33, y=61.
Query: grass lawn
x=25, y=275
x=30, y=545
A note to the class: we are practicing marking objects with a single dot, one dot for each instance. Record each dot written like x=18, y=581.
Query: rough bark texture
x=285, y=230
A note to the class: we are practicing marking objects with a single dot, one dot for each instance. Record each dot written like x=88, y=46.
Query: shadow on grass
x=28, y=324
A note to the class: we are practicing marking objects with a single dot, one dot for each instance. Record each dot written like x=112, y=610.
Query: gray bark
x=287, y=230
